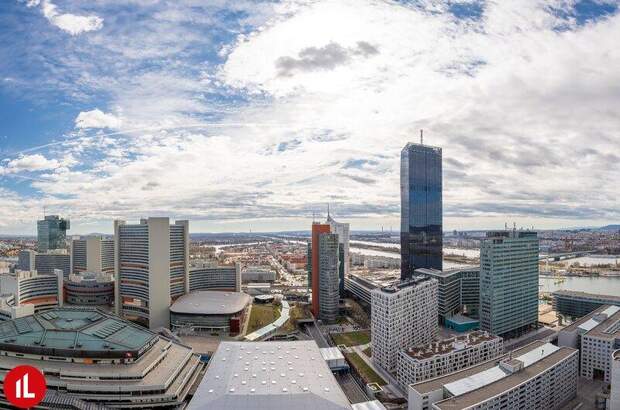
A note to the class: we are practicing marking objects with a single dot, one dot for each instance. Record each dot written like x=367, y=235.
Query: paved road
x=392, y=386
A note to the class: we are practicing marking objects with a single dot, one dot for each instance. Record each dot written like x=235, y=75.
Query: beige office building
x=92, y=254
x=151, y=268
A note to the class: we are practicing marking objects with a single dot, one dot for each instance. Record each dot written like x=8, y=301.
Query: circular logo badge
x=24, y=386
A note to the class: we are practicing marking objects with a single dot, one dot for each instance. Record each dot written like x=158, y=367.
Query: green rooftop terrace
x=75, y=332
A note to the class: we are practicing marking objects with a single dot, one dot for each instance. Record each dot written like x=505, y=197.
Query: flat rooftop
x=211, y=302
x=450, y=345
x=593, y=319
x=585, y=295
x=446, y=272
x=269, y=375
x=609, y=328
x=437, y=383
x=492, y=387
x=74, y=332
x=408, y=283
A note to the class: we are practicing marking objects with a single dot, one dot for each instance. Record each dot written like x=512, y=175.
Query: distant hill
x=610, y=228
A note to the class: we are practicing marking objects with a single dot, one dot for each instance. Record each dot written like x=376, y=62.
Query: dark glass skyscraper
x=52, y=233
x=421, y=230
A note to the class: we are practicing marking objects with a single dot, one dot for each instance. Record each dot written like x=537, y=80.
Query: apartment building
x=403, y=315
x=597, y=336
x=446, y=356
x=536, y=376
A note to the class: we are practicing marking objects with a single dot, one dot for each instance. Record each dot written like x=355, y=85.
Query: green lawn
x=352, y=338
x=368, y=351
x=369, y=375
x=261, y=316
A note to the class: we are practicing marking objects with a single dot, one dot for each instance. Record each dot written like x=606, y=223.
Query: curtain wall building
x=509, y=282
x=52, y=233
x=342, y=230
x=152, y=269
x=421, y=231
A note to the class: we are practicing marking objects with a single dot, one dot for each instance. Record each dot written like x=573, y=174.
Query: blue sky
x=255, y=114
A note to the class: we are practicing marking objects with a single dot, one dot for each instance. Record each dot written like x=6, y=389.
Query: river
x=600, y=285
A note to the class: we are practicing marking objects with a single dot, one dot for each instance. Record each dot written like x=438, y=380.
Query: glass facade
x=52, y=233
x=509, y=282
x=421, y=231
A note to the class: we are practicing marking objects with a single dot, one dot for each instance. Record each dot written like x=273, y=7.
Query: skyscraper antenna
x=328, y=210
x=421, y=137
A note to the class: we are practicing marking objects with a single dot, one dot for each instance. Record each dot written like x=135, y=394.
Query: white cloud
x=97, y=119
x=29, y=163
x=527, y=116
x=71, y=23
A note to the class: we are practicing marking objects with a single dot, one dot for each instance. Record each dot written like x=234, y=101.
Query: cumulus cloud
x=522, y=100
x=29, y=163
x=96, y=119
x=70, y=23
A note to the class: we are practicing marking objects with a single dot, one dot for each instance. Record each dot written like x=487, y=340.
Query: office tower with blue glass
x=421, y=236
x=52, y=233
x=509, y=282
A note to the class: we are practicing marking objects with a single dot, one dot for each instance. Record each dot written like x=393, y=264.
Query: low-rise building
x=257, y=274
x=269, y=375
x=90, y=289
x=43, y=291
x=450, y=355
x=205, y=276
x=574, y=304
x=208, y=312
x=98, y=358
x=536, y=376
x=596, y=335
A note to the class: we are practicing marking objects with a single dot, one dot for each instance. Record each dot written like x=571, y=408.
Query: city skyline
x=126, y=111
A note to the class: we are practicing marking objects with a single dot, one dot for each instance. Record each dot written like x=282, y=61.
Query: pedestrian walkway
x=392, y=387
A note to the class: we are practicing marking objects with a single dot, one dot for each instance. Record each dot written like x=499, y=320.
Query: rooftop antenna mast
x=421, y=137
x=328, y=210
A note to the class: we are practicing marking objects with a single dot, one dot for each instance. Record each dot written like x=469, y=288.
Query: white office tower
x=536, y=376
x=92, y=254
x=614, y=397
x=152, y=269
x=402, y=315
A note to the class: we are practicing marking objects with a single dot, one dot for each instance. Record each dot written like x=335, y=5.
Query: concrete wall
x=159, y=272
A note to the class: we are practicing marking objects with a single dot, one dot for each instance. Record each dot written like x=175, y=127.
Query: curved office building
x=89, y=289
x=92, y=357
x=44, y=292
